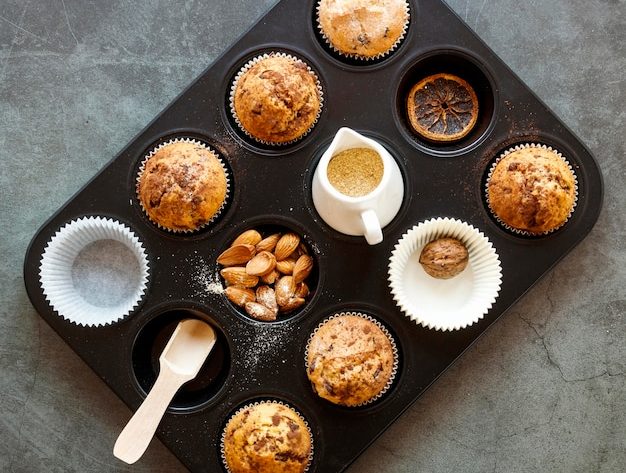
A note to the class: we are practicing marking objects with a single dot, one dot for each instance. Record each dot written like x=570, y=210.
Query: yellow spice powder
x=356, y=171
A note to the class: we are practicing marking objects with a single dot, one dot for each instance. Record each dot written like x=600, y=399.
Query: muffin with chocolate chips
x=532, y=189
x=276, y=99
x=182, y=186
x=351, y=360
x=363, y=29
x=267, y=437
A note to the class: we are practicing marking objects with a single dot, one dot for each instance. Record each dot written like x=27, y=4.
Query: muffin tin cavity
x=149, y=345
x=94, y=271
x=468, y=69
x=261, y=283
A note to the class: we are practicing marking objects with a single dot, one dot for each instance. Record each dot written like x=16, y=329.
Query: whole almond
x=259, y=311
x=285, y=266
x=265, y=295
x=237, y=276
x=285, y=289
x=302, y=249
x=268, y=244
x=263, y=263
x=302, y=290
x=237, y=254
x=292, y=304
x=239, y=295
x=249, y=237
x=286, y=245
x=271, y=277
x=302, y=268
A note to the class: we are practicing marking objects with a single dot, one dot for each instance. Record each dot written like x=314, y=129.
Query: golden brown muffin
x=532, y=189
x=277, y=99
x=442, y=107
x=363, y=28
x=444, y=258
x=267, y=438
x=183, y=186
x=350, y=360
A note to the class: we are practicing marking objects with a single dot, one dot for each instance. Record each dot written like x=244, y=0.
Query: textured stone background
x=544, y=390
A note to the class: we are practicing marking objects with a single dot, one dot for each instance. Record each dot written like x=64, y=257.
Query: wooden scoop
x=182, y=358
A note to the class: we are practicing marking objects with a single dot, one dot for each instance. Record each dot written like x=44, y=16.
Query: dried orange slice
x=442, y=107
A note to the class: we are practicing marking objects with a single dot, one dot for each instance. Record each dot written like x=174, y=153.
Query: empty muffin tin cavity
x=149, y=345
x=268, y=226
x=469, y=69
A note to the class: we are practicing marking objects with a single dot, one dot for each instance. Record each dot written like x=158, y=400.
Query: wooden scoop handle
x=136, y=436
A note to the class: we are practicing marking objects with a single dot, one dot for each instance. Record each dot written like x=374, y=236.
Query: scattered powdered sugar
x=204, y=277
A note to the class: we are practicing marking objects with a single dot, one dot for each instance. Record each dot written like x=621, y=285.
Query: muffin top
x=277, y=99
x=365, y=28
x=183, y=186
x=267, y=438
x=350, y=360
x=532, y=189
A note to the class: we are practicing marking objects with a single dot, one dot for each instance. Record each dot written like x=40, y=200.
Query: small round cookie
x=350, y=360
x=267, y=437
x=364, y=29
x=183, y=186
x=276, y=99
x=532, y=189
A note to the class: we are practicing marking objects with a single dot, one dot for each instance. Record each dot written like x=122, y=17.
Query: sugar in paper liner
x=55, y=271
x=450, y=304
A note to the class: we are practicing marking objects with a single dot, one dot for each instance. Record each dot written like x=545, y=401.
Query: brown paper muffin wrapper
x=152, y=152
x=257, y=403
x=445, y=304
x=360, y=57
x=57, y=266
x=492, y=168
x=394, y=347
x=245, y=69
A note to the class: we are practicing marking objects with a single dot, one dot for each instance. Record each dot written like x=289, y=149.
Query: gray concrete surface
x=544, y=390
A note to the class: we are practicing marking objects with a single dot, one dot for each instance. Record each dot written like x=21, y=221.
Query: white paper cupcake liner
x=57, y=264
x=519, y=147
x=195, y=142
x=450, y=304
x=360, y=57
x=246, y=67
x=394, y=348
x=257, y=403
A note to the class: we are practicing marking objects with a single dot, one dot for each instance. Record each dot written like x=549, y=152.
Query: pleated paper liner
x=450, y=304
x=94, y=271
x=257, y=403
x=384, y=330
x=492, y=168
x=359, y=57
x=246, y=67
x=195, y=142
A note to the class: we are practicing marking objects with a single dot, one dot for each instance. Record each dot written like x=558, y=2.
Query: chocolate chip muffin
x=350, y=360
x=363, y=29
x=532, y=189
x=267, y=437
x=276, y=99
x=444, y=258
x=183, y=186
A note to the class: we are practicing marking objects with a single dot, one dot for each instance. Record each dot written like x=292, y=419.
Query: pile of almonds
x=267, y=275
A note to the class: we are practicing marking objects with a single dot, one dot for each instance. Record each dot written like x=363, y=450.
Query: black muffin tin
x=271, y=188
